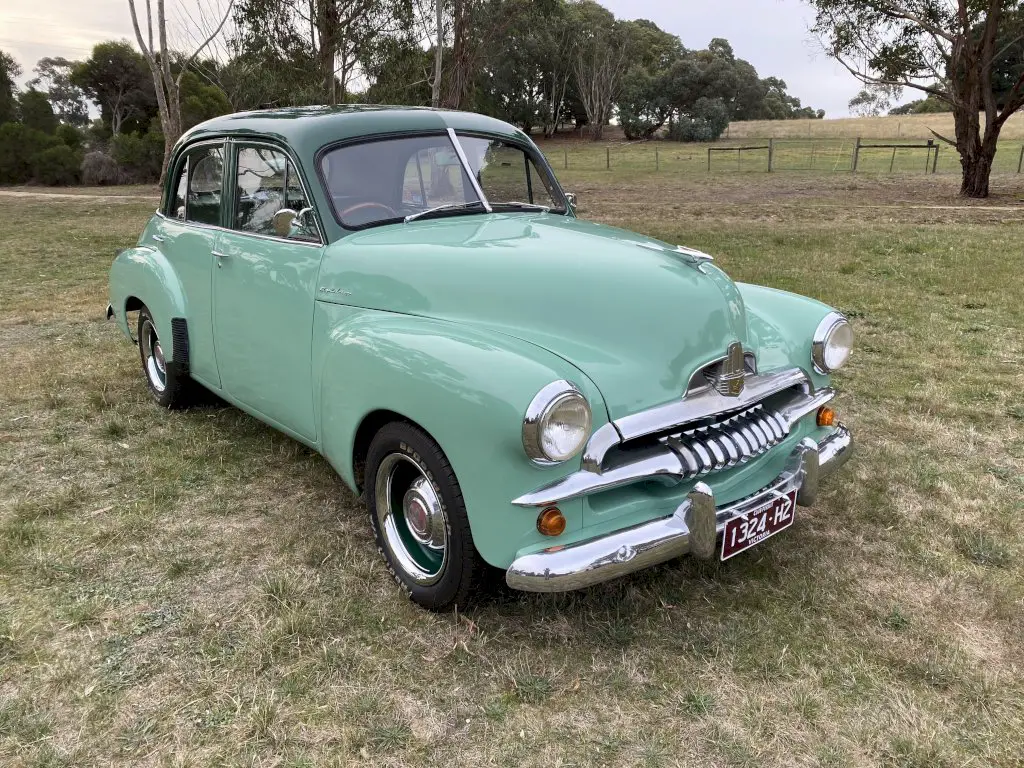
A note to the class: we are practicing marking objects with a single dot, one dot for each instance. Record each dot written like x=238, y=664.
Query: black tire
x=401, y=447
x=170, y=386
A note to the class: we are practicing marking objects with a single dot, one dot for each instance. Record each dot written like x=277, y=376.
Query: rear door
x=187, y=235
x=265, y=289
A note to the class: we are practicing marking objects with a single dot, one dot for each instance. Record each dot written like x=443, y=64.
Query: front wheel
x=419, y=518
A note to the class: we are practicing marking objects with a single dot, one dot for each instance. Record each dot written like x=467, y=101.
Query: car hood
x=636, y=315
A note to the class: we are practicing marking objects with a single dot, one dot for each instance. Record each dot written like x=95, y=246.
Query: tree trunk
x=977, y=152
x=435, y=87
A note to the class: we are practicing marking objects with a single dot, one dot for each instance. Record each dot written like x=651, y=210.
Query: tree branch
x=188, y=62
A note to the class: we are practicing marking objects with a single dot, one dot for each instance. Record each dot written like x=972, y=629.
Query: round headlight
x=557, y=423
x=833, y=342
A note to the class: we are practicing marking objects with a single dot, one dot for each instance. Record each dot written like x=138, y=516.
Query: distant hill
x=887, y=127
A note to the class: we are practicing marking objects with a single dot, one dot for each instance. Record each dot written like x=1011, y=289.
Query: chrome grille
x=729, y=442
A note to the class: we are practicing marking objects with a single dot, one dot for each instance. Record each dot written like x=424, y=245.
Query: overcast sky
x=770, y=34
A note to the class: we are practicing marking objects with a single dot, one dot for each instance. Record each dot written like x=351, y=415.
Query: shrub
x=100, y=169
x=139, y=156
x=71, y=136
x=706, y=122
x=19, y=144
x=55, y=166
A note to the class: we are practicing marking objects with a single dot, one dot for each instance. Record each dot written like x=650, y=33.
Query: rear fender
x=144, y=273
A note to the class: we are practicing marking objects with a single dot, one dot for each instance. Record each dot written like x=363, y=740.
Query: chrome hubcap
x=153, y=357
x=411, y=518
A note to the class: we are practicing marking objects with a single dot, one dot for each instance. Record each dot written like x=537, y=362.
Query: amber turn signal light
x=551, y=521
x=826, y=417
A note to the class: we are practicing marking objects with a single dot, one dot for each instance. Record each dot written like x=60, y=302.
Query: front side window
x=267, y=183
x=384, y=181
x=506, y=174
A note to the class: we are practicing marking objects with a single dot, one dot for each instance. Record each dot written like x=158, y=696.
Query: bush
x=706, y=122
x=100, y=169
x=71, y=136
x=55, y=166
x=19, y=145
x=139, y=156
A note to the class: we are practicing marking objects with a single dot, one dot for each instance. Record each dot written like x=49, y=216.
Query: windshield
x=392, y=180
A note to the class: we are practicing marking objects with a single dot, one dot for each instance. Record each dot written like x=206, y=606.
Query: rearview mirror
x=571, y=199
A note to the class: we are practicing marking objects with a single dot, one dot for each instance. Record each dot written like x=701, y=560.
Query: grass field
x=188, y=589
x=885, y=127
x=821, y=155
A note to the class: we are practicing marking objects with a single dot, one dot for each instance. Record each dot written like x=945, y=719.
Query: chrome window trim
x=274, y=238
x=827, y=325
x=541, y=403
x=469, y=170
x=246, y=142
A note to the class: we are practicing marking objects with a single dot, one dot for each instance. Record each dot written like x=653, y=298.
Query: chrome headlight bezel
x=538, y=413
x=823, y=335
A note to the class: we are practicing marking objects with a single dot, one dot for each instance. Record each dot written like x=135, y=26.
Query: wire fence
x=778, y=155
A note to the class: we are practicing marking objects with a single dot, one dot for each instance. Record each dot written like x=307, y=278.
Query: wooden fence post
x=565, y=151
x=771, y=153
x=709, y=159
x=608, y=158
x=1020, y=161
x=813, y=147
x=935, y=160
x=856, y=154
x=893, y=161
x=657, y=162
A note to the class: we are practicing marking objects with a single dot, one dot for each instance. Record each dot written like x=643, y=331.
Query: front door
x=265, y=290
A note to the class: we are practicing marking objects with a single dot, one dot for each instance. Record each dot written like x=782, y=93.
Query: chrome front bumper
x=693, y=528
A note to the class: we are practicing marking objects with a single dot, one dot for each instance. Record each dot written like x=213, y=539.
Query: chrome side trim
x=688, y=454
x=469, y=170
x=693, y=528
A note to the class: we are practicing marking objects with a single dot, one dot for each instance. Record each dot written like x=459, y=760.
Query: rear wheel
x=419, y=518
x=169, y=385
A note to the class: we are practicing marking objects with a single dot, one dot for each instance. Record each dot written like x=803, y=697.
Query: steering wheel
x=361, y=206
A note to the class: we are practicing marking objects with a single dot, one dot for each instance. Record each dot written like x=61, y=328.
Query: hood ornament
x=727, y=377
x=691, y=256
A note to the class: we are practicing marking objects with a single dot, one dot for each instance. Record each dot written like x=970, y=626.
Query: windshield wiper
x=445, y=207
x=518, y=204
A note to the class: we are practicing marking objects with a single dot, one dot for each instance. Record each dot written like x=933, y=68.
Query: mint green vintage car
x=409, y=293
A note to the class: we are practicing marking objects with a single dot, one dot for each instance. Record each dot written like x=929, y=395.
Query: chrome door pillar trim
x=469, y=170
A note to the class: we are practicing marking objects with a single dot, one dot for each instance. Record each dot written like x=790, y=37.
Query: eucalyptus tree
x=53, y=77
x=10, y=71
x=159, y=56
x=949, y=49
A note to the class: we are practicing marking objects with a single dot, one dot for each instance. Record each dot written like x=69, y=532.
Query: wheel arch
x=143, y=276
x=372, y=423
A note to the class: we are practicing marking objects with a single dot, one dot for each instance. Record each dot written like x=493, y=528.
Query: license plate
x=743, y=532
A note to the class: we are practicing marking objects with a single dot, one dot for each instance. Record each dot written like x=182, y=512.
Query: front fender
x=146, y=274
x=467, y=387
x=781, y=327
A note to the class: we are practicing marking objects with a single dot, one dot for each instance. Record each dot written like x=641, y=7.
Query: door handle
x=220, y=255
x=159, y=238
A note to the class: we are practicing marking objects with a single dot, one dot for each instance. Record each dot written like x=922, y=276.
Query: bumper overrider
x=693, y=528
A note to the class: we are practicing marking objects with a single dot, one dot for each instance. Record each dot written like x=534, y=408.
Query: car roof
x=307, y=129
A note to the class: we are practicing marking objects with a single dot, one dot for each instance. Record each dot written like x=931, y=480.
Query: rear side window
x=198, y=188
x=266, y=182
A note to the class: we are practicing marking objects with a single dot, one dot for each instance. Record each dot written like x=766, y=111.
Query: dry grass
x=885, y=127
x=194, y=589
